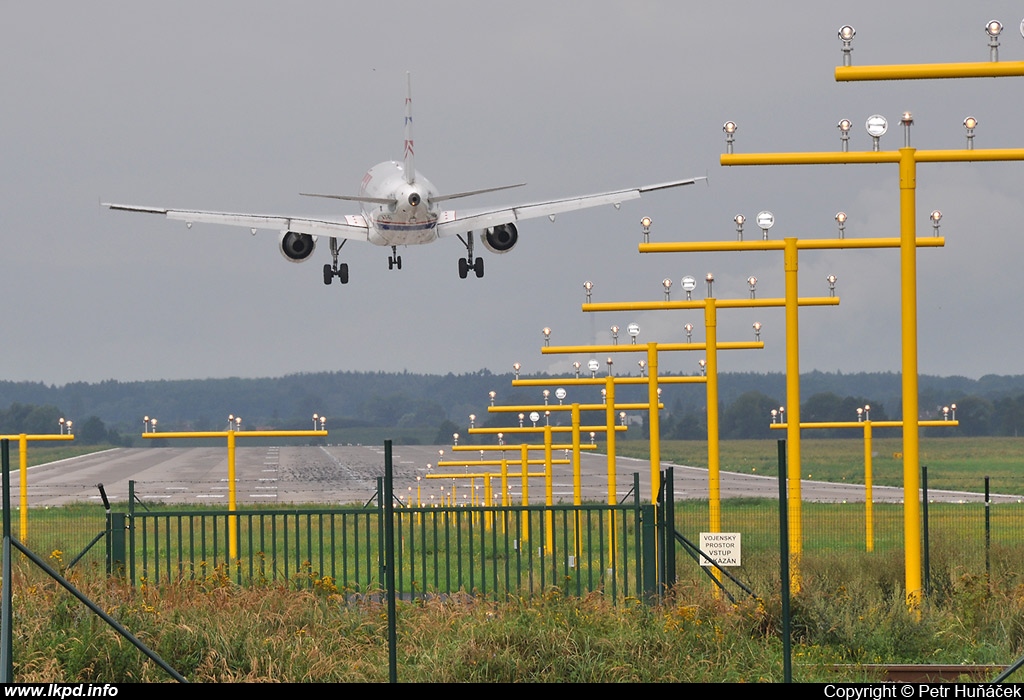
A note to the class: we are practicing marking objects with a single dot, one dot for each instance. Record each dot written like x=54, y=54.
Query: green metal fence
x=491, y=551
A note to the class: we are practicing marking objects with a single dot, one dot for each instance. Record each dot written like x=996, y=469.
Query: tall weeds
x=850, y=611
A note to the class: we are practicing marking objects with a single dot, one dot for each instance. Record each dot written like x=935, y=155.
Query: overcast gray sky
x=239, y=106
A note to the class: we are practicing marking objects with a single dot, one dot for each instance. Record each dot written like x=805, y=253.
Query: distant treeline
x=991, y=405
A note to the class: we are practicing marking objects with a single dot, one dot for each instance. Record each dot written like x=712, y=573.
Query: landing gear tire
x=478, y=267
x=341, y=272
x=391, y=263
x=463, y=268
x=398, y=262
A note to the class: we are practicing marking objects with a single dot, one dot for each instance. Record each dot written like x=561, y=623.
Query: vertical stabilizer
x=410, y=169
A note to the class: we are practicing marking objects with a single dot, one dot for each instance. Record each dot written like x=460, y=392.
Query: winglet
x=410, y=170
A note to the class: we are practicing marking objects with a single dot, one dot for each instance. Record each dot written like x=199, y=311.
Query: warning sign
x=723, y=548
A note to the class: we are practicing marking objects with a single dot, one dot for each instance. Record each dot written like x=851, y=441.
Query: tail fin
x=410, y=170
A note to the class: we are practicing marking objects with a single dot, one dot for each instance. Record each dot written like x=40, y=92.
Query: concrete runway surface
x=347, y=474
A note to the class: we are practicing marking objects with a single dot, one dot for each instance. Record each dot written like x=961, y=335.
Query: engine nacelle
x=297, y=247
x=501, y=239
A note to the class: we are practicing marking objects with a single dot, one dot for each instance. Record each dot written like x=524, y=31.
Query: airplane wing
x=353, y=227
x=454, y=222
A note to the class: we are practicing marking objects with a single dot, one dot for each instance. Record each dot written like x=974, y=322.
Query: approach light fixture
x=547, y=395
x=615, y=335
x=645, y=226
x=730, y=135
x=757, y=330
x=455, y=439
x=876, y=126
x=688, y=284
x=765, y=220
x=609, y=361
x=593, y=365
x=588, y=286
x=703, y=364
x=689, y=332
x=593, y=437
x=844, y=127
x=634, y=330
x=643, y=365
x=522, y=416
x=622, y=417
x=831, y=279
x=867, y=411
x=994, y=28
x=576, y=368
x=547, y=335
x=935, y=217
x=860, y=414
x=907, y=120
x=846, y=34
x=775, y=414
x=710, y=279
x=945, y=413
x=739, y=220
x=970, y=123
x=952, y=407
x=492, y=395
x=841, y=220
x=752, y=283
x=316, y=417
x=472, y=420
x=666, y=284
x=515, y=368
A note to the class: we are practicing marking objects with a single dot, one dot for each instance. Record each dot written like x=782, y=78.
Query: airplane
x=400, y=207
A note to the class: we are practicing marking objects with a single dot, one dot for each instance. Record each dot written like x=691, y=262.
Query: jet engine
x=297, y=247
x=501, y=239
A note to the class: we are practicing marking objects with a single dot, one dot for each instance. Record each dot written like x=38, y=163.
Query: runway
x=346, y=474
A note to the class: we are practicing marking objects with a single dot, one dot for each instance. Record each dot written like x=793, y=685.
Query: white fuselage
x=402, y=223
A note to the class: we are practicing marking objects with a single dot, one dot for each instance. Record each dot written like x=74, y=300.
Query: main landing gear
x=468, y=263
x=334, y=269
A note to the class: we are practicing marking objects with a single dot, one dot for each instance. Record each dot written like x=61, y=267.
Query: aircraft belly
x=397, y=237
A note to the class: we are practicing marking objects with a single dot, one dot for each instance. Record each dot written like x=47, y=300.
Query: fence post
x=667, y=502
x=926, y=563
x=116, y=545
x=649, y=555
x=131, y=526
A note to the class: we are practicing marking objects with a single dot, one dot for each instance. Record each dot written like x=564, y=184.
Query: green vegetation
x=849, y=612
x=959, y=463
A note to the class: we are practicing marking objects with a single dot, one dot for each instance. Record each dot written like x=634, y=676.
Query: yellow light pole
x=23, y=440
x=653, y=379
x=710, y=305
x=230, y=435
x=907, y=159
x=866, y=424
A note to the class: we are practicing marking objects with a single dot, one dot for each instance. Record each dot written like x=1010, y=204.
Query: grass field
x=849, y=612
x=958, y=463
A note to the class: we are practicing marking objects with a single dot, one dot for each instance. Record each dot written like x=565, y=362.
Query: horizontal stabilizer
x=354, y=198
x=457, y=195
